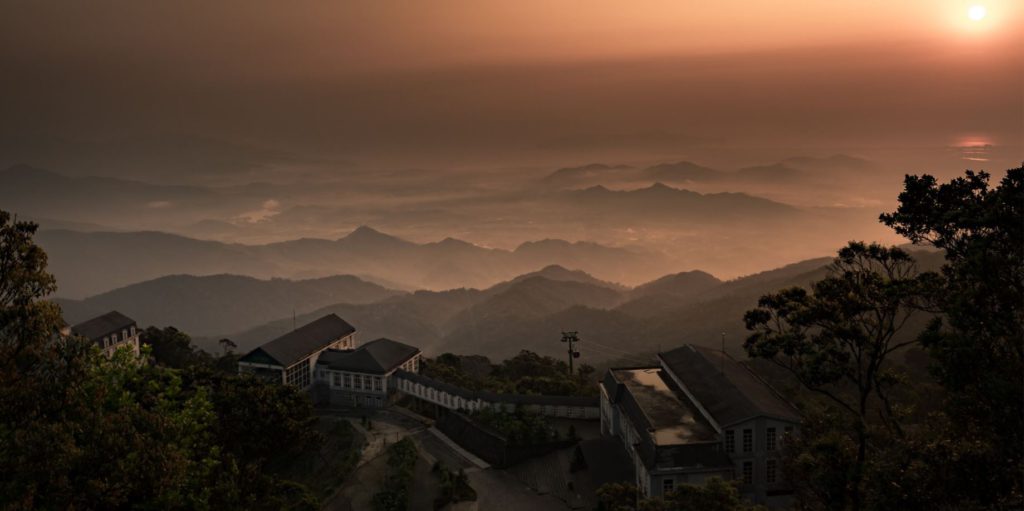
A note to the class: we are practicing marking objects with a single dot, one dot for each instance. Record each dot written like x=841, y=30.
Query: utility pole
x=722, y=371
x=571, y=338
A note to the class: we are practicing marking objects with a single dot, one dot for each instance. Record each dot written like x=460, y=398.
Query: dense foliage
x=714, y=495
x=454, y=486
x=865, y=445
x=84, y=431
x=520, y=427
x=525, y=373
x=394, y=495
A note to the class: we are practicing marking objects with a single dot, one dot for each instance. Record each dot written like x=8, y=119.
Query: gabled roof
x=653, y=403
x=301, y=342
x=97, y=328
x=375, y=357
x=727, y=389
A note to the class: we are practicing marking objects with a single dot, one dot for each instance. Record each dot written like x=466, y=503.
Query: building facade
x=292, y=357
x=111, y=332
x=700, y=414
x=364, y=376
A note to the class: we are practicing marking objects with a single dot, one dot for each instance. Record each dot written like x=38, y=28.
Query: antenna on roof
x=722, y=369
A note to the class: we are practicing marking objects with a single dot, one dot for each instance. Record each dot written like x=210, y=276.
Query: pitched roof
x=654, y=404
x=375, y=357
x=303, y=341
x=97, y=328
x=727, y=389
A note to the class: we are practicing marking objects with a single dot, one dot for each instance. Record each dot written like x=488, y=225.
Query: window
x=748, y=440
x=358, y=380
x=769, y=439
x=770, y=470
x=298, y=374
x=133, y=331
x=748, y=472
x=124, y=335
x=730, y=440
x=336, y=379
x=667, y=485
x=378, y=384
x=348, y=380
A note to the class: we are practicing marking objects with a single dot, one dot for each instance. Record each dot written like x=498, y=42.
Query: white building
x=111, y=332
x=699, y=414
x=292, y=357
x=364, y=376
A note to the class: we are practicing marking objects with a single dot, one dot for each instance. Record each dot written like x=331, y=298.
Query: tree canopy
x=80, y=430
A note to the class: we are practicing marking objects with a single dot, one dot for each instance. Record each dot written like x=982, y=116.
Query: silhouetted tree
x=837, y=339
x=978, y=344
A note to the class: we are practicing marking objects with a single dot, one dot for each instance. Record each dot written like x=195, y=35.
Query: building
x=364, y=376
x=111, y=332
x=292, y=357
x=699, y=414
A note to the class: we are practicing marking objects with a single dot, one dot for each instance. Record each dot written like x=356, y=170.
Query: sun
x=976, y=12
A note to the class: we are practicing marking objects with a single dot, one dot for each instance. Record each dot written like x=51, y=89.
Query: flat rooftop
x=673, y=417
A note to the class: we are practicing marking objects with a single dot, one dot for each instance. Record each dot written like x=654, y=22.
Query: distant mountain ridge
x=88, y=263
x=530, y=312
x=660, y=201
x=683, y=172
x=215, y=304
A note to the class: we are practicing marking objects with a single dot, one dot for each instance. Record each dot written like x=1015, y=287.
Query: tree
x=170, y=346
x=26, y=322
x=79, y=430
x=617, y=497
x=978, y=346
x=714, y=495
x=227, y=345
x=837, y=339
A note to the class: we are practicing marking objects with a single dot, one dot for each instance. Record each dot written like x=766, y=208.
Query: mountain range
x=217, y=304
x=88, y=263
x=616, y=323
x=687, y=172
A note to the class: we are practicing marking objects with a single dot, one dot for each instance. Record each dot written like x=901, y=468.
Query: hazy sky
x=152, y=89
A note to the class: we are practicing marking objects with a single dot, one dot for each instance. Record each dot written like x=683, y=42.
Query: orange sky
x=492, y=81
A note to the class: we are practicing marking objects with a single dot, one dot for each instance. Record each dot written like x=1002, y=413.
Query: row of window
x=771, y=471
x=353, y=381
x=411, y=365
x=298, y=374
x=113, y=338
x=770, y=438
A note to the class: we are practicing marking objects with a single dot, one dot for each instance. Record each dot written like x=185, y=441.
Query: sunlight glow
x=976, y=12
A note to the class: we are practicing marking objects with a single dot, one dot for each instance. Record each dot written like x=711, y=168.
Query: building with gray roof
x=364, y=376
x=292, y=357
x=111, y=332
x=699, y=414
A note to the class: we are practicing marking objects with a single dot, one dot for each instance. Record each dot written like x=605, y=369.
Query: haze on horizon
x=248, y=122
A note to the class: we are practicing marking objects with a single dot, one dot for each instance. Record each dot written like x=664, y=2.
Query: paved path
x=497, y=490
x=479, y=463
